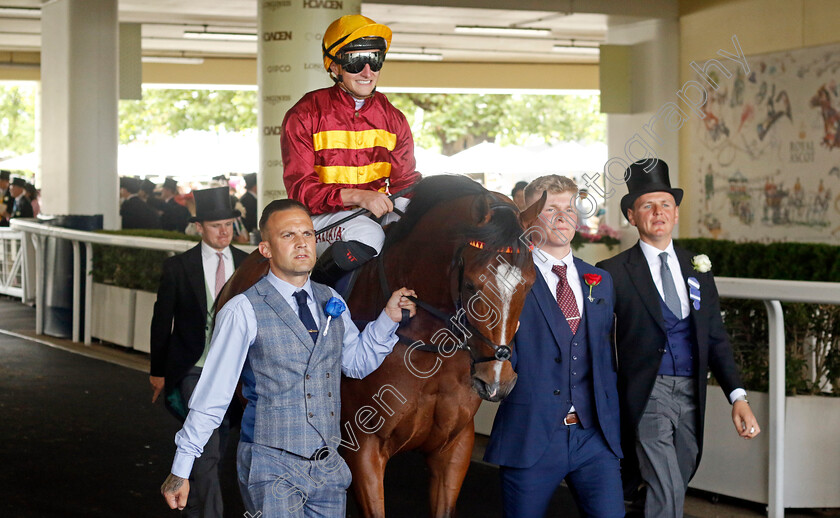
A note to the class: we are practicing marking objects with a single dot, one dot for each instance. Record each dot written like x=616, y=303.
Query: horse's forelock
x=502, y=232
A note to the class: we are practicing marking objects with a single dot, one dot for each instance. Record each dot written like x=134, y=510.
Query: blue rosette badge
x=334, y=308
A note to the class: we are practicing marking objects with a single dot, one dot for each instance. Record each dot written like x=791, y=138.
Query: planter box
x=734, y=467
x=113, y=314
x=144, y=307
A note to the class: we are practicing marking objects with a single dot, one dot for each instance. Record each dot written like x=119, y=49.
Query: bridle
x=457, y=323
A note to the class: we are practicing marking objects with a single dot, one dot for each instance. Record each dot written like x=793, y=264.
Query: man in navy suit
x=561, y=420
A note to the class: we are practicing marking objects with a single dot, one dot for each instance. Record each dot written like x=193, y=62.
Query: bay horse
x=460, y=247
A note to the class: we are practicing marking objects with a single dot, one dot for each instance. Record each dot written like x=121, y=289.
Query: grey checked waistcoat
x=297, y=383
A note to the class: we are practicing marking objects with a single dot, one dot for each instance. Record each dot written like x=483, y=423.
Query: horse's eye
x=469, y=286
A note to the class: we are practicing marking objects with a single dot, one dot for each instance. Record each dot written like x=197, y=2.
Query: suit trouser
x=583, y=458
x=666, y=444
x=279, y=484
x=205, y=498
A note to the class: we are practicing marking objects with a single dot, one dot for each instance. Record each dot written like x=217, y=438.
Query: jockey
x=346, y=146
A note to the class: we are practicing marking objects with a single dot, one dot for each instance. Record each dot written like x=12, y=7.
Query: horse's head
x=495, y=271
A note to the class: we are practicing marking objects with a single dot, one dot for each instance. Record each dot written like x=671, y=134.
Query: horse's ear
x=481, y=210
x=528, y=216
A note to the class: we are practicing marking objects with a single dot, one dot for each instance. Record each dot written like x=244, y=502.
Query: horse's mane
x=501, y=232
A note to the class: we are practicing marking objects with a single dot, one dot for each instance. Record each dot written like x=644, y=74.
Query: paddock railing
x=11, y=263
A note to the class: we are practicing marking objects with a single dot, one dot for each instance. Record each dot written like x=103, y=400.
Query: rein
x=364, y=212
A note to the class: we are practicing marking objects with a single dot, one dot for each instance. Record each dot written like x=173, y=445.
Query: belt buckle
x=567, y=416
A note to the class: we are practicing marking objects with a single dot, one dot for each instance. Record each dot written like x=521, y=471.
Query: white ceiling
x=416, y=28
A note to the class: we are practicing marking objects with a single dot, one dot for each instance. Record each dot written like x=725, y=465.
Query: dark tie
x=306, y=315
x=566, y=299
x=672, y=300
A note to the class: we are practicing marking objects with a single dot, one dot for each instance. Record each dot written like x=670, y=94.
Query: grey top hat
x=213, y=205
x=646, y=176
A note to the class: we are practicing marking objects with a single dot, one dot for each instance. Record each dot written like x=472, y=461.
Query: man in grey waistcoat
x=286, y=339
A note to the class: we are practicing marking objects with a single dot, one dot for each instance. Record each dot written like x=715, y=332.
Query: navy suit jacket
x=527, y=418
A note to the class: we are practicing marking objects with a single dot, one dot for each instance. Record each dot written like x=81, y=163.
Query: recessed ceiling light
x=502, y=31
x=175, y=60
x=414, y=56
x=223, y=36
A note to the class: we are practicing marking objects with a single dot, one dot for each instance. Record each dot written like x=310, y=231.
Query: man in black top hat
x=669, y=334
x=134, y=211
x=249, y=202
x=181, y=330
x=22, y=207
x=7, y=201
x=175, y=216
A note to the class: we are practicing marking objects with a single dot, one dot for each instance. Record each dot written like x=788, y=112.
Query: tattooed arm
x=175, y=490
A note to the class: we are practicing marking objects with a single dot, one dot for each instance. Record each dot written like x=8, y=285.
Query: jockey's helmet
x=353, y=32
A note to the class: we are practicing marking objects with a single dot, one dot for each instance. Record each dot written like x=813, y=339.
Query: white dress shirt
x=655, y=266
x=545, y=262
x=233, y=335
x=210, y=262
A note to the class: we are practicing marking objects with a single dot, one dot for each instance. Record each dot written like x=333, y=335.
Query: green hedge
x=134, y=268
x=809, y=328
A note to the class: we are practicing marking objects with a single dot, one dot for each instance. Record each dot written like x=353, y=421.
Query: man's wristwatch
x=743, y=398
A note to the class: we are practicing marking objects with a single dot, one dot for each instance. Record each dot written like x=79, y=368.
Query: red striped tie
x=566, y=299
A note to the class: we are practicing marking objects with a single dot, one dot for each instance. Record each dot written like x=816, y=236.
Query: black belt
x=320, y=454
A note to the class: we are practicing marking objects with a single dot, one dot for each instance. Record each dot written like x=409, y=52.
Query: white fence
x=770, y=291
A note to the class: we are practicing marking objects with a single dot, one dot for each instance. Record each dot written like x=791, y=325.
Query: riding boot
x=341, y=257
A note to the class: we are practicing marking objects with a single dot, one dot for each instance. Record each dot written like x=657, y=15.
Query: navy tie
x=306, y=315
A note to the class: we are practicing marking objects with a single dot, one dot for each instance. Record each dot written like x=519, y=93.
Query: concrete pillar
x=79, y=134
x=653, y=83
x=289, y=64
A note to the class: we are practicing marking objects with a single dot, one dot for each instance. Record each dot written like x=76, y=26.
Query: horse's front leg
x=368, y=467
x=448, y=469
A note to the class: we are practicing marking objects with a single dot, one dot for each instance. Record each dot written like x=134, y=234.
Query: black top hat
x=250, y=180
x=17, y=181
x=647, y=176
x=5, y=175
x=213, y=205
x=170, y=184
x=132, y=185
x=148, y=186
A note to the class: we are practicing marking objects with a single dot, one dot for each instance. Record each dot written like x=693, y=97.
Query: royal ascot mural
x=767, y=153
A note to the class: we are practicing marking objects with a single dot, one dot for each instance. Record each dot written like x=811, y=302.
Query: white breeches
x=361, y=228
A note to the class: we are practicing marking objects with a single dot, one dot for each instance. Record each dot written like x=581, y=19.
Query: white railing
x=38, y=235
x=11, y=260
x=773, y=293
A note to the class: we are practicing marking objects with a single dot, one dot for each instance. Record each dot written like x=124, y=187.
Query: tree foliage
x=454, y=122
x=172, y=111
x=17, y=119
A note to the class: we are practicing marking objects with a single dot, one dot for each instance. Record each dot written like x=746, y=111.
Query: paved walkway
x=79, y=437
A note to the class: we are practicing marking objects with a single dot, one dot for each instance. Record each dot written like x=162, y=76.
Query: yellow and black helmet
x=353, y=32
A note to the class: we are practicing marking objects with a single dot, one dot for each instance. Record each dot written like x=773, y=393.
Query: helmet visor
x=354, y=62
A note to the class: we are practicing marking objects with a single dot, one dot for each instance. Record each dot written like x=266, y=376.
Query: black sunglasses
x=355, y=62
